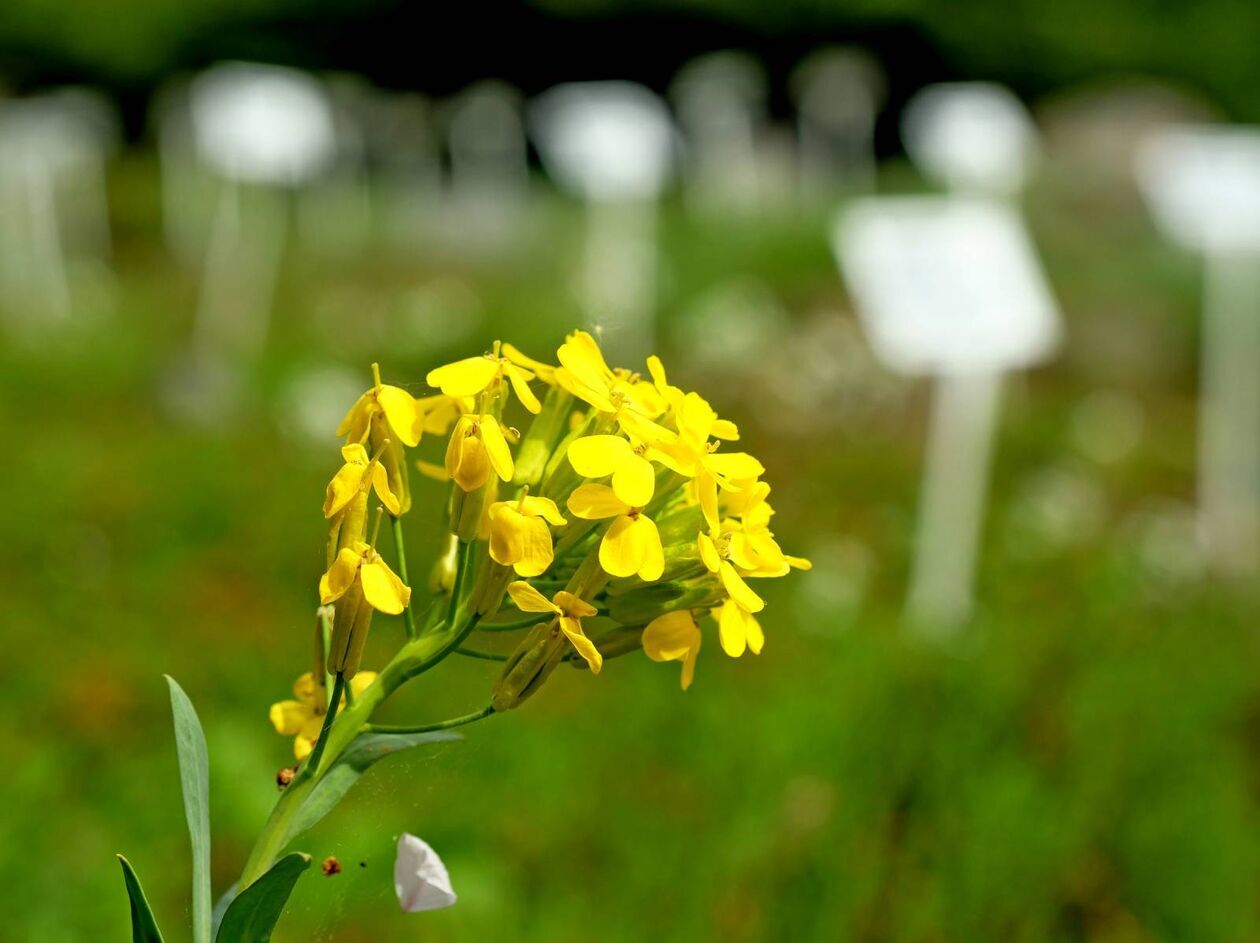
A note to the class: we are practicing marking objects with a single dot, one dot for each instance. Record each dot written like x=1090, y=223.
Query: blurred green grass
x=1079, y=764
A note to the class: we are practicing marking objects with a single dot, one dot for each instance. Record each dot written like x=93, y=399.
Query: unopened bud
x=529, y=666
x=351, y=623
x=537, y=446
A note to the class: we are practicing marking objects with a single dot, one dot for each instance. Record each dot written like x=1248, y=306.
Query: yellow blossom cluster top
x=619, y=518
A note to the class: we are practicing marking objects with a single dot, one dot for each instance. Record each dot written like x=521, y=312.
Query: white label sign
x=946, y=284
x=605, y=140
x=1203, y=186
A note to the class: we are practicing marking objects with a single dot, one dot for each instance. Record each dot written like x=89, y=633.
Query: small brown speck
x=362, y=864
x=285, y=776
x=331, y=866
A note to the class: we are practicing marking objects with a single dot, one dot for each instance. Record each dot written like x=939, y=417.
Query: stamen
x=376, y=375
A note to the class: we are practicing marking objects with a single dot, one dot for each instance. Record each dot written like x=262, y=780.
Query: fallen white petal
x=420, y=877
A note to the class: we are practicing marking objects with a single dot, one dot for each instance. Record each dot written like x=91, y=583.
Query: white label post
x=948, y=287
x=1203, y=188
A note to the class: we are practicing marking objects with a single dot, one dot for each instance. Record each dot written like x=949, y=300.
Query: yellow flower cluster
x=614, y=522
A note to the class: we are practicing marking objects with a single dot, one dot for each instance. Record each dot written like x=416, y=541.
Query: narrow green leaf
x=365, y=750
x=252, y=916
x=194, y=777
x=143, y=926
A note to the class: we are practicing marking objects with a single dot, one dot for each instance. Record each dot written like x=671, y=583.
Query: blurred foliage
x=1080, y=764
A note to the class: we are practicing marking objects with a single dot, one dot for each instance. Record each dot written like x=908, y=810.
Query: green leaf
x=365, y=750
x=194, y=777
x=252, y=916
x=143, y=926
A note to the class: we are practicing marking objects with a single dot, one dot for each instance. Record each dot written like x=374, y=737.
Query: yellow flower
x=395, y=405
x=570, y=609
x=519, y=536
x=359, y=581
x=632, y=543
x=674, y=637
x=598, y=456
x=359, y=473
x=382, y=588
x=633, y=402
x=303, y=718
x=737, y=628
x=752, y=546
x=472, y=375
x=477, y=447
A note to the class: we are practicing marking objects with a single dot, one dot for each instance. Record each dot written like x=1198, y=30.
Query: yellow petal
x=343, y=487
x=497, y=448
x=733, y=629
x=709, y=553
x=399, y=407
x=304, y=742
x=756, y=638
x=340, y=576
x=289, y=717
x=798, y=563
x=519, y=541
x=528, y=599
x=429, y=470
x=574, y=606
x=382, y=588
x=596, y=456
x=544, y=508
x=520, y=386
x=724, y=429
x=307, y=690
x=671, y=636
x=362, y=681
x=594, y=502
x=739, y=591
x=380, y=481
x=656, y=370
x=572, y=628
x=734, y=465
x=356, y=417
x=634, y=481
x=580, y=355
x=355, y=454
x=465, y=377
x=542, y=370
x=632, y=546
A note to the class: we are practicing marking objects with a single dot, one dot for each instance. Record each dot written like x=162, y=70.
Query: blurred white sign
x=1203, y=186
x=262, y=124
x=946, y=284
x=606, y=141
x=970, y=136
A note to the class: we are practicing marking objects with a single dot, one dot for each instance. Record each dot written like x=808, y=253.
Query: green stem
x=312, y=761
x=440, y=725
x=414, y=658
x=512, y=625
x=400, y=547
x=484, y=656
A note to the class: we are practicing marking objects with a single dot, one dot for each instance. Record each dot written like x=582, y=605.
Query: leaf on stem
x=143, y=926
x=365, y=750
x=252, y=916
x=194, y=764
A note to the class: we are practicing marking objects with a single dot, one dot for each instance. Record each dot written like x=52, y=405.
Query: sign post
x=1203, y=188
x=948, y=287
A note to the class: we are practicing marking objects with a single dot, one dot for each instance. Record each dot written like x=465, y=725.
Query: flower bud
x=491, y=585
x=351, y=623
x=529, y=666
x=442, y=576
x=537, y=447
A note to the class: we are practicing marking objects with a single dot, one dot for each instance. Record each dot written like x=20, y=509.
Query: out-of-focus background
x=199, y=261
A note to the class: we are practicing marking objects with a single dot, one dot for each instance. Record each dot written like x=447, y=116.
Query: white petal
x=420, y=878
